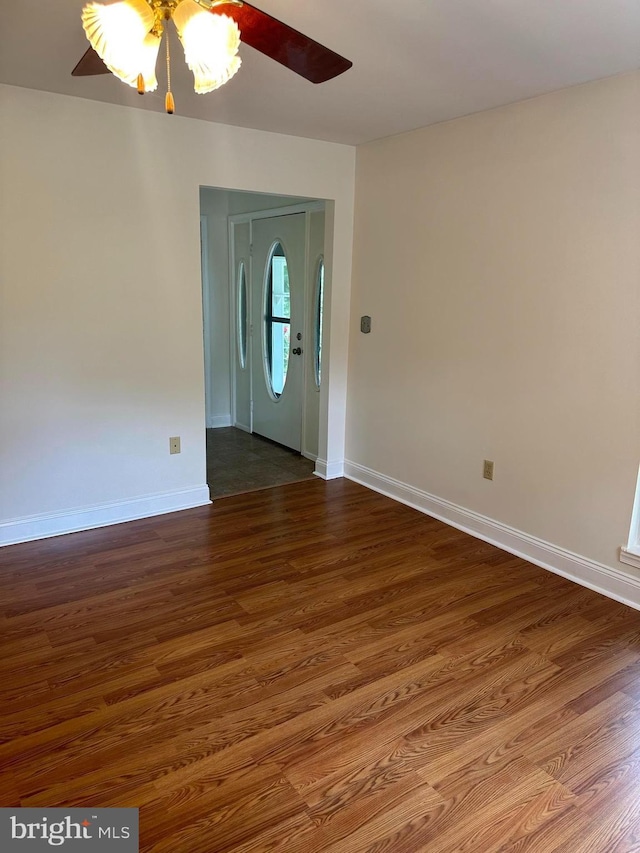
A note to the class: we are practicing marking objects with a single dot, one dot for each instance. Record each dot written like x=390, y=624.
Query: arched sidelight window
x=318, y=301
x=243, y=315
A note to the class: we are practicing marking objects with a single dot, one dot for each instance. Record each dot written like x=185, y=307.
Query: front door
x=278, y=311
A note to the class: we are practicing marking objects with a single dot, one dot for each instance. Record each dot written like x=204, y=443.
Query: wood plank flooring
x=317, y=668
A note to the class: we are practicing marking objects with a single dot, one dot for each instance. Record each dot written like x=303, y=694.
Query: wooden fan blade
x=89, y=65
x=290, y=48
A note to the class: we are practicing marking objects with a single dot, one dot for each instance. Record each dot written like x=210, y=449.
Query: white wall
x=101, y=351
x=499, y=257
x=214, y=205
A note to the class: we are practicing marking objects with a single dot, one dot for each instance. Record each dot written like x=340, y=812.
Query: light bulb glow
x=210, y=42
x=120, y=35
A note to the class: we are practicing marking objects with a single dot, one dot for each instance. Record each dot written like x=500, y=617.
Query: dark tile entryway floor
x=239, y=462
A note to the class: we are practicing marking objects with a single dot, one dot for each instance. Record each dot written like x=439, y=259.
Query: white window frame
x=630, y=554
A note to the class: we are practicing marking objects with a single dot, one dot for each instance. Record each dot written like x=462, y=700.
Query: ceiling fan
x=125, y=37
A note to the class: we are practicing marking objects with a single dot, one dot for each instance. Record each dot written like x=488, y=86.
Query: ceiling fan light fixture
x=120, y=33
x=211, y=43
x=126, y=36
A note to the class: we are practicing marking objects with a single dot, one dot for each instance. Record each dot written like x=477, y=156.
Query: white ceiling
x=415, y=62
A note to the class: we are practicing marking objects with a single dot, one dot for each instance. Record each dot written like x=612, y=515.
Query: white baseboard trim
x=243, y=427
x=608, y=581
x=56, y=524
x=329, y=470
x=307, y=455
x=217, y=421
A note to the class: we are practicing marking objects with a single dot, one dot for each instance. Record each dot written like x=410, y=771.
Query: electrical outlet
x=487, y=471
x=174, y=444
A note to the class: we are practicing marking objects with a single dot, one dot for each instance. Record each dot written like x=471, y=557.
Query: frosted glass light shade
x=148, y=57
x=210, y=43
x=120, y=35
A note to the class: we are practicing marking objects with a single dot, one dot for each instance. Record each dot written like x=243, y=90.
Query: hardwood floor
x=317, y=668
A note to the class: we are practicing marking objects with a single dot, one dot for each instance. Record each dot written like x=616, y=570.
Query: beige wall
x=499, y=257
x=101, y=351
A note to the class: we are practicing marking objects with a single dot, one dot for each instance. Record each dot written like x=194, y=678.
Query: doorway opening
x=263, y=330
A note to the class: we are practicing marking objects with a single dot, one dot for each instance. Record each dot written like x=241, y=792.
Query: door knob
x=297, y=350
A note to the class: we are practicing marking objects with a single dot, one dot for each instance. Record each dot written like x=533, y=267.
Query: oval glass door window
x=317, y=361
x=243, y=317
x=277, y=320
